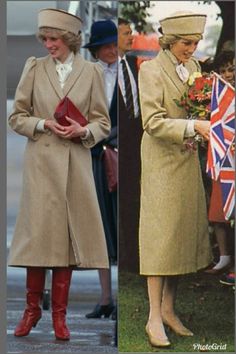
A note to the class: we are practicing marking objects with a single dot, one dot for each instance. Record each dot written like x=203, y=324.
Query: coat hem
x=176, y=273
x=74, y=266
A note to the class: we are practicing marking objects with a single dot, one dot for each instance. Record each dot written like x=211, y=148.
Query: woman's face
x=56, y=47
x=108, y=53
x=183, y=49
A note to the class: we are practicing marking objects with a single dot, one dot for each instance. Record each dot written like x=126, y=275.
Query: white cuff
x=189, y=130
x=40, y=126
x=88, y=133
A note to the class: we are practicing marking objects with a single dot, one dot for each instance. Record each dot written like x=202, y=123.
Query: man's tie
x=128, y=91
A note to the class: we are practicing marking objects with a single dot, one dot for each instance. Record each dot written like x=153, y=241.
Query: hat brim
x=101, y=42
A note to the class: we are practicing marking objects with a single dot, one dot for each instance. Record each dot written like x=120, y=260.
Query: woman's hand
x=55, y=127
x=73, y=130
x=67, y=132
x=203, y=128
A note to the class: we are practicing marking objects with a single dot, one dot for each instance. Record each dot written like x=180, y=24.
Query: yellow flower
x=202, y=114
x=193, y=77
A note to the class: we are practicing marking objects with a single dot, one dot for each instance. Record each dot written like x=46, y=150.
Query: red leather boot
x=61, y=278
x=35, y=279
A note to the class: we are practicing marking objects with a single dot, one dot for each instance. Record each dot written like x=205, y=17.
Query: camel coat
x=59, y=221
x=173, y=235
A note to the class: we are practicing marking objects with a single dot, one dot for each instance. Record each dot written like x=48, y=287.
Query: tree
x=135, y=12
x=227, y=13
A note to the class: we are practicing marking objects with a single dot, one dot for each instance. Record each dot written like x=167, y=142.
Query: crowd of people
x=66, y=202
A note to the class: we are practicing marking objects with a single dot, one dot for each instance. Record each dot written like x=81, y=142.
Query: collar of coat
x=169, y=68
x=50, y=68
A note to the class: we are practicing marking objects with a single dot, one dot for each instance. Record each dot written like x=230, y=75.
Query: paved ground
x=89, y=336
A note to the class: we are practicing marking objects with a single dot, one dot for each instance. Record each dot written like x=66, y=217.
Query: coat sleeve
x=154, y=114
x=98, y=116
x=21, y=119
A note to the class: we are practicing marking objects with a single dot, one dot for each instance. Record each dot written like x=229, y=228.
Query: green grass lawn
x=204, y=305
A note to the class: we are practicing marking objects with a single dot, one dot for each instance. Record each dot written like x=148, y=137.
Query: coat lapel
x=77, y=68
x=50, y=69
x=170, y=71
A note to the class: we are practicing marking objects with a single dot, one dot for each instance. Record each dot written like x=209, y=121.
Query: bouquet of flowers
x=197, y=102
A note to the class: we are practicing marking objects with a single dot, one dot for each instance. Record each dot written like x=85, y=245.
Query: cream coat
x=173, y=236
x=59, y=222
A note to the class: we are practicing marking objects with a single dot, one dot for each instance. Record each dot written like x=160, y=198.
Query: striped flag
x=220, y=159
x=222, y=131
x=227, y=180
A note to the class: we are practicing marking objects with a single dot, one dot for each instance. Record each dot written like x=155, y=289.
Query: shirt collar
x=69, y=59
x=181, y=70
x=112, y=67
x=123, y=58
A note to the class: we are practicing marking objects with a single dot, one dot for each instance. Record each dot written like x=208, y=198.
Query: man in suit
x=130, y=132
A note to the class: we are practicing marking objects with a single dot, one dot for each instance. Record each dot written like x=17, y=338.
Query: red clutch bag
x=110, y=156
x=67, y=108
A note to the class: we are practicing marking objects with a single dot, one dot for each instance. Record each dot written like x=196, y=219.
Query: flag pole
x=225, y=82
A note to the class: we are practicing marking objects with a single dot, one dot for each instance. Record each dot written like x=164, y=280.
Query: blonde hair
x=70, y=39
x=167, y=39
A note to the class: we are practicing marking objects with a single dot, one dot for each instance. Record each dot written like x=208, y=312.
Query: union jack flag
x=220, y=159
x=227, y=180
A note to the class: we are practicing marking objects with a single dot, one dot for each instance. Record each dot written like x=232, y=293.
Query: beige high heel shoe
x=178, y=328
x=156, y=342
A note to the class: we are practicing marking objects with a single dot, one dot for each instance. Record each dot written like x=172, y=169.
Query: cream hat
x=59, y=19
x=183, y=23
